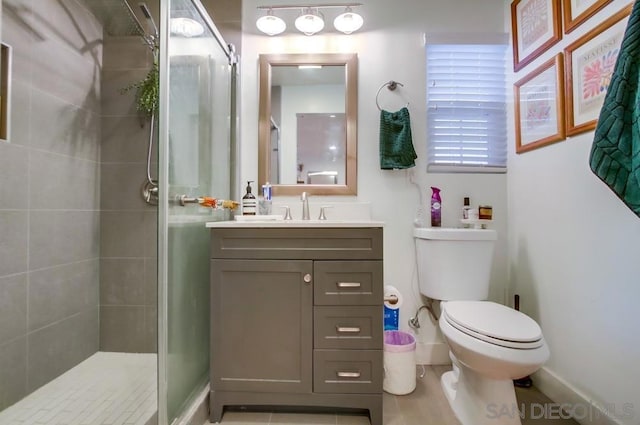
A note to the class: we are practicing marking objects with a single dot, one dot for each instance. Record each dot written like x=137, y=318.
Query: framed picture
x=535, y=26
x=578, y=11
x=539, y=106
x=589, y=63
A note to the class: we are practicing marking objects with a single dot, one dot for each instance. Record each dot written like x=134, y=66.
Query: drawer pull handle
x=349, y=284
x=348, y=329
x=348, y=374
x=307, y=278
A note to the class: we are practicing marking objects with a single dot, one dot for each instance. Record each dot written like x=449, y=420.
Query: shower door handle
x=205, y=201
x=183, y=200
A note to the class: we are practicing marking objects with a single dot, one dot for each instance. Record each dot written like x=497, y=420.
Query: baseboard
x=429, y=353
x=198, y=412
x=585, y=411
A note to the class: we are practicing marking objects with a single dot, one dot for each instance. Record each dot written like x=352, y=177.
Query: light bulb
x=270, y=24
x=348, y=22
x=310, y=22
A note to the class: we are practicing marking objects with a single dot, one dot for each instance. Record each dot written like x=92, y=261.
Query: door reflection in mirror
x=321, y=147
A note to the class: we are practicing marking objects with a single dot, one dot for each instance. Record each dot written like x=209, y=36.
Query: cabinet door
x=261, y=325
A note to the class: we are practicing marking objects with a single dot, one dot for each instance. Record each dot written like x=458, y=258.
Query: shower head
x=151, y=40
x=134, y=18
x=147, y=14
x=115, y=16
x=118, y=19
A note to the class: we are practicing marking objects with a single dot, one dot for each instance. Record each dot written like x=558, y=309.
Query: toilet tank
x=454, y=264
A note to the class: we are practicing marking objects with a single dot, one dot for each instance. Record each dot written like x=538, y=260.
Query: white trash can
x=399, y=363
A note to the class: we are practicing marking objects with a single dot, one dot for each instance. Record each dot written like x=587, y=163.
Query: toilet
x=490, y=344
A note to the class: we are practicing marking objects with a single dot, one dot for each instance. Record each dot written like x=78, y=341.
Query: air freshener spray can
x=436, y=208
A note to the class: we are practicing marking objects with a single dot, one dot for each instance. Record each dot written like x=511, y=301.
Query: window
x=466, y=107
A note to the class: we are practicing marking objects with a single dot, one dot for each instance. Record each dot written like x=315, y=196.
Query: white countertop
x=339, y=215
x=295, y=224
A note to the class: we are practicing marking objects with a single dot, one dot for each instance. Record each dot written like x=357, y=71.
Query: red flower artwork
x=596, y=76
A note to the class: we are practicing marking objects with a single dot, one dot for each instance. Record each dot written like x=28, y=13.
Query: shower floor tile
x=105, y=389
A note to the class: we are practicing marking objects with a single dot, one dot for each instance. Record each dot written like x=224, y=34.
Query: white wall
x=574, y=260
x=390, y=46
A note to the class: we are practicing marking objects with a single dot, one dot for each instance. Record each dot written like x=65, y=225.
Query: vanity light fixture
x=310, y=21
x=271, y=24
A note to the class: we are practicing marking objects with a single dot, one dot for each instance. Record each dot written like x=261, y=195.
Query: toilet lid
x=494, y=323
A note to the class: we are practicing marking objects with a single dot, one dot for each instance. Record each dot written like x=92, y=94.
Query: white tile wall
x=105, y=389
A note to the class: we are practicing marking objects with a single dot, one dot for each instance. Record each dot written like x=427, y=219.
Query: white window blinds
x=466, y=107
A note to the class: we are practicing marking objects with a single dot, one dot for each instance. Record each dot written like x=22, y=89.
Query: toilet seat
x=493, y=323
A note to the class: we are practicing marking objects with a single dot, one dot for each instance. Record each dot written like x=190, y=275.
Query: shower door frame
x=163, y=184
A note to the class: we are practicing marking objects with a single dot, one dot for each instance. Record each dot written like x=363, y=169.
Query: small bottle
x=266, y=191
x=264, y=204
x=249, y=201
x=485, y=212
x=466, y=208
x=436, y=210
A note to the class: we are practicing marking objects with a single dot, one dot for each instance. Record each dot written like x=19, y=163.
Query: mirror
x=307, y=135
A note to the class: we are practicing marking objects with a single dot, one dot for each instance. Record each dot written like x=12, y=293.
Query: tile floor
x=106, y=388
x=427, y=405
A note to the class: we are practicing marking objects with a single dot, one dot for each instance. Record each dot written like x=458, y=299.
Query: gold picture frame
x=539, y=106
x=589, y=63
x=575, y=12
x=535, y=26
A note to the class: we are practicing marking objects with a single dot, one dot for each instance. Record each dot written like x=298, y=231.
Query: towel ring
x=391, y=85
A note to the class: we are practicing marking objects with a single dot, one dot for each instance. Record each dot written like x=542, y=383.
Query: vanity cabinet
x=296, y=319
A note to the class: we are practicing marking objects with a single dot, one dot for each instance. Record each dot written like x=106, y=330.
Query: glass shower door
x=194, y=161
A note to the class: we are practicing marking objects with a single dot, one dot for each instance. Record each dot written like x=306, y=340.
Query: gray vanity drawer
x=297, y=243
x=347, y=371
x=347, y=283
x=354, y=327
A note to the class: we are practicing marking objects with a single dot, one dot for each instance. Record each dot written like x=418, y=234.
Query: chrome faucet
x=305, y=205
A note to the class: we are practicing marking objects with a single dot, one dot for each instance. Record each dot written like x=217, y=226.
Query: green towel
x=396, y=146
x=615, y=154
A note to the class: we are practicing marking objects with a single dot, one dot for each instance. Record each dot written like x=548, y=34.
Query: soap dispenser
x=249, y=201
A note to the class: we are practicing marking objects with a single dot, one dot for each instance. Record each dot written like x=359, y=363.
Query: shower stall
x=104, y=296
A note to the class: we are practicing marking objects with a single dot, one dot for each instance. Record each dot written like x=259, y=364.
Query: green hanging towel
x=396, y=146
x=615, y=154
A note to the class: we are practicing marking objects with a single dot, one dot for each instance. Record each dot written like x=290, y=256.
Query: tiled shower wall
x=49, y=194
x=128, y=295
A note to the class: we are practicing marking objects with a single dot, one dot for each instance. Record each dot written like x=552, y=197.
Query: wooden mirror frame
x=350, y=62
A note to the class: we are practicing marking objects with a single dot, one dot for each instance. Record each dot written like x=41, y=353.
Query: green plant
x=147, y=91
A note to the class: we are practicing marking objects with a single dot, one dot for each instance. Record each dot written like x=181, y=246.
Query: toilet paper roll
x=389, y=292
